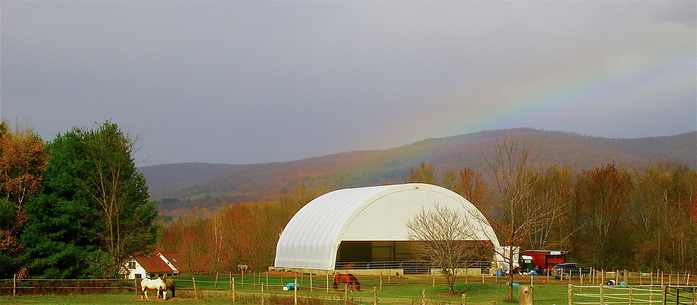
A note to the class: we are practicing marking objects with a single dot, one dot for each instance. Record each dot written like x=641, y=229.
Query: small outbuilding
x=366, y=224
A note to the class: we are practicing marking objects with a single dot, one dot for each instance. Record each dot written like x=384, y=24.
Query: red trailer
x=546, y=259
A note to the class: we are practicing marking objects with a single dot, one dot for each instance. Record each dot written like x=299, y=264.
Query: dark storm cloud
x=240, y=82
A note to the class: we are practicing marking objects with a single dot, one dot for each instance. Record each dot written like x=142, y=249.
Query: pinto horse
x=154, y=284
x=348, y=279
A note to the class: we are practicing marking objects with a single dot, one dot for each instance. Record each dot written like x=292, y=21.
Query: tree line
x=610, y=217
x=74, y=207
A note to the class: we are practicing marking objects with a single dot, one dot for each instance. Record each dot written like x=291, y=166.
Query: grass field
x=403, y=290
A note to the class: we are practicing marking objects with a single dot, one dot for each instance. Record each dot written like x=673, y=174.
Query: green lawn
x=405, y=290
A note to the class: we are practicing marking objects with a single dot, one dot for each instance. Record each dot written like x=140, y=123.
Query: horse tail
x=335, y=281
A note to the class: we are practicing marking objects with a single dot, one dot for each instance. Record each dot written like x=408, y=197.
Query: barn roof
x=378, y=213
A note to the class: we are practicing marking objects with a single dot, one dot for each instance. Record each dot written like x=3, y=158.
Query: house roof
x=174, y=258
x=153, y=264
x=183, y=263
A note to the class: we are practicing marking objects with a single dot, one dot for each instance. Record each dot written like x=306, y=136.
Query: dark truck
x=569, y=270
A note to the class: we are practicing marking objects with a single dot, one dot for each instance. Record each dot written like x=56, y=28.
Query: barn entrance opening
x=379, y=255
x=400, y=255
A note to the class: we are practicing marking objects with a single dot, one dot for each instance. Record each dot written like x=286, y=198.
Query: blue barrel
x=291, y=286
x=499, y=272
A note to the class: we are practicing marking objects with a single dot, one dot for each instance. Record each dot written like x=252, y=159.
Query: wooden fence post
x=14, y=284
x=232, y=286
x=327, y=281
x=423, y=296
x=193, y=280
x=262, y=294
x=381, y=281
x=464, y=299
x=570, y=293
x=295, y=290
x=375, y=295
x=525, y=295
x=215, y=285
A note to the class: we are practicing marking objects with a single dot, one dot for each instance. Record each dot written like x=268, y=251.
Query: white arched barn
x=365, y=224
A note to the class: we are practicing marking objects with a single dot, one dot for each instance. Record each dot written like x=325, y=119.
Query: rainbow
x=575, y=92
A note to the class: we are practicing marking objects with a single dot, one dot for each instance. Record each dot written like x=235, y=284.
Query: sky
x=244, y=82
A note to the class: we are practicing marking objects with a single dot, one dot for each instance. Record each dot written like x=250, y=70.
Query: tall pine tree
x=92, y=212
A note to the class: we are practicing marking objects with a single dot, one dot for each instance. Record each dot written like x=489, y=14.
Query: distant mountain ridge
x=360, y=168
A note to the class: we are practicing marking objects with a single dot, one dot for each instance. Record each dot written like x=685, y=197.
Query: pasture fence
x=640, y=294
x=638, y=288
x=65, y=286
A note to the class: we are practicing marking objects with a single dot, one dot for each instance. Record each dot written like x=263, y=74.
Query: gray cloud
x=240, y=82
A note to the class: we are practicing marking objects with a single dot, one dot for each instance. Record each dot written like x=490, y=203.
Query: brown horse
x=169, y=283
x=348, y=279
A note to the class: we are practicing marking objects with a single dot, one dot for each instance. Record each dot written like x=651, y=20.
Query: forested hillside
x=634, y=217
x=183, y=188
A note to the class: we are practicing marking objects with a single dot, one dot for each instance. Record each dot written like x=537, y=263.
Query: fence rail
x=680, y=295
x=640, y=294
x=409, y=267
x=56, y=286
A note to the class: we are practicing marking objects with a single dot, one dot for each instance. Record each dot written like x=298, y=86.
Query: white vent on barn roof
x=311, y=238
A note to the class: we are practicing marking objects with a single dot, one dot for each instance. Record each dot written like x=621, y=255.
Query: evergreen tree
x=92, y=211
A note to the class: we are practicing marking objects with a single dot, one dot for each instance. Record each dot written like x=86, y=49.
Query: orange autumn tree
x=602, y=202
x=23, y=159
x=244, y=233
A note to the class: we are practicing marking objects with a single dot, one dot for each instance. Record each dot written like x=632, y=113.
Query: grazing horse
x=154, y=284
x=349, y=279
x=170, y=285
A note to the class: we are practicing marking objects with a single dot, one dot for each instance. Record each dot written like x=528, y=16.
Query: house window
x=131, y=265
x=138, y=275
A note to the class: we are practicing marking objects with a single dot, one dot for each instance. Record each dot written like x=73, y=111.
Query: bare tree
x=443, y=239
x=517, y=213
x=553, y=190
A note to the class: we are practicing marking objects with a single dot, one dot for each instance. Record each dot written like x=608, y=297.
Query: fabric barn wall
x=311, y=238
